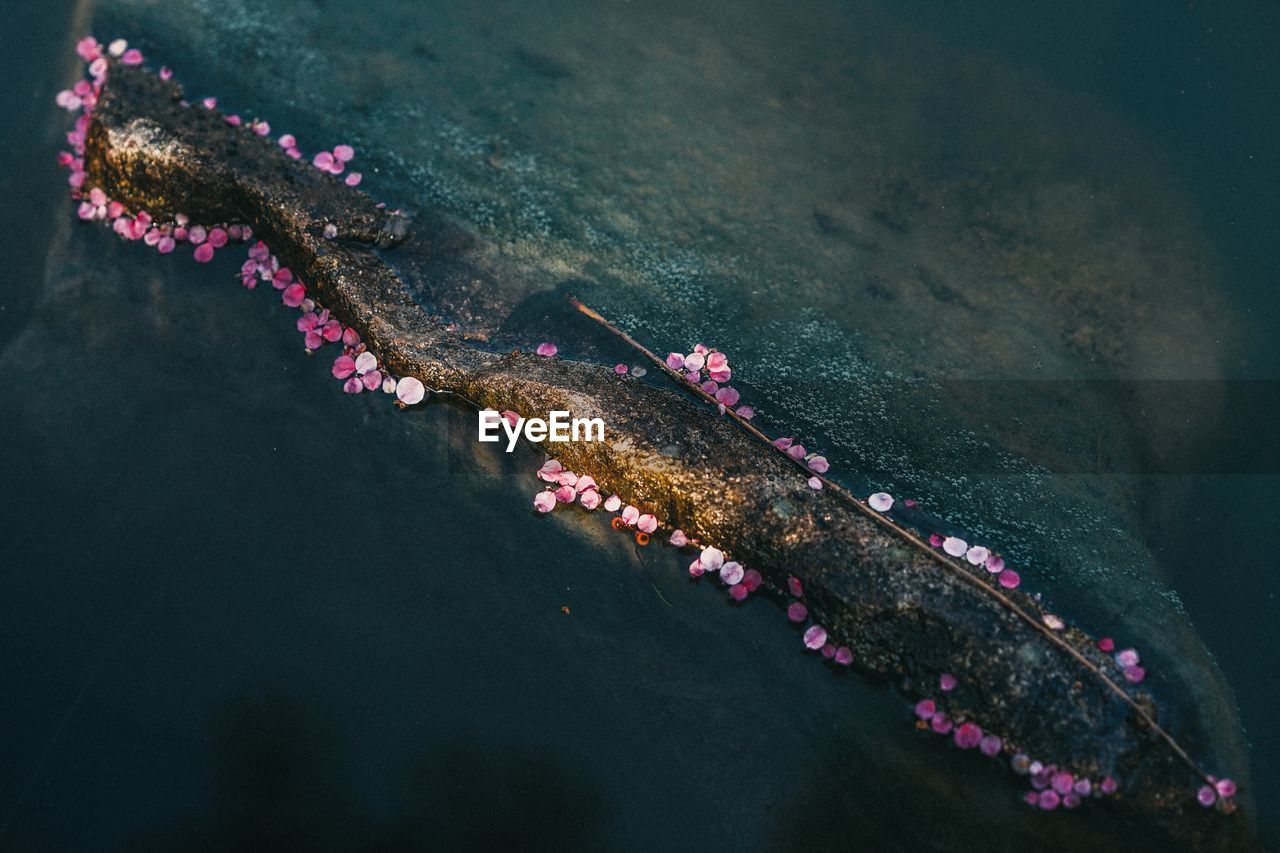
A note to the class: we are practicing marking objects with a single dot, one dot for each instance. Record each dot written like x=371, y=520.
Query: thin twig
x=905, y=534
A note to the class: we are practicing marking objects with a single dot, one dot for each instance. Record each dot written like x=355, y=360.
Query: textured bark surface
x=906, y=615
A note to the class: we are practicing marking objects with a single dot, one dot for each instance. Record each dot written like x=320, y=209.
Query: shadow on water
x=285, y=780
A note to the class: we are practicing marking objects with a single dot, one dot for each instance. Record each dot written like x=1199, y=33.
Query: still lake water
x=239, y=610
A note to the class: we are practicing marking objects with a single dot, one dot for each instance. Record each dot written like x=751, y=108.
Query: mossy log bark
x=907, y=617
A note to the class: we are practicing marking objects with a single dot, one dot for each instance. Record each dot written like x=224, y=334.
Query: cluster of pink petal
x=1051, y=786
x=1222, y=791
x=565, y=487
x=709, y=370
x=815, y=636
x=816, y=463
x=977, y=555
x=355, y=367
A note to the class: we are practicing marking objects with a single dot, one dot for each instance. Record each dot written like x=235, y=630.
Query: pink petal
x=566, y=494
x=675, y=361
x=968, y=735
x=752, y=579
x=1106, y=644
x=88, y=48
x=977, y=555
x=728, y=396
x=203, y=253
x=731, y=572
x=694, y=362
x=819, y=464
x=365, y=362
x=815, y=638
x=409, y=390
x=132, y=56
x=353, y=385
x=947, y=682
x=695, y=569
x=343, y=152
x=612, y=503
x=631, y=515
x=620, y=369
x=353, y=179
x=954, y=546
x=880, y=501
x=1127, y=657
x=794, y=587
x=217, y=237
x=288, y=141
x=589, y=499
x=737, y=592
x=797, y=612
x=1009, y=579
x=678, y=538
x=547, y=349
x=647, y=524
x=925, y=709
x=293, y=294
x=544, y=501
x=712, y=559
x=343, y=366
x=323, y=161
x=550, y=471
x=372, y=380
x=717, y=361
x=990, y=745
x=995, y=564
x=815, y=483
x=196, y=234
x=844, y=656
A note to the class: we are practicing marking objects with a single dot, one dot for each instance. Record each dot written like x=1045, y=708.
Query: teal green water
x=890, y=217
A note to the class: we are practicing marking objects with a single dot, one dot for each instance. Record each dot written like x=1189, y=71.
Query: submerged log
x=908, y=613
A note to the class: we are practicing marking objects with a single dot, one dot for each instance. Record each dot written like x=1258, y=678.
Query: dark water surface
x=241, y=611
